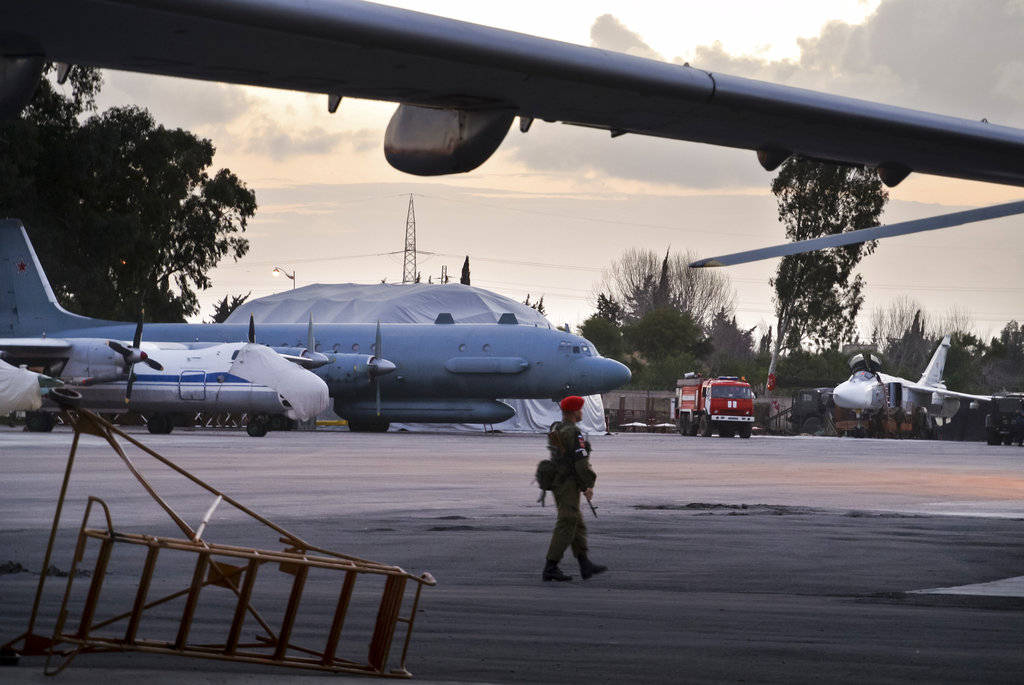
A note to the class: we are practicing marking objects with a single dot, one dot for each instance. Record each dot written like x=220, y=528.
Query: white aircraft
x=166, y=380
x=868, y=389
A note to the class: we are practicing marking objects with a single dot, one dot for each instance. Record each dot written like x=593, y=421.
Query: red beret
x=571, y=403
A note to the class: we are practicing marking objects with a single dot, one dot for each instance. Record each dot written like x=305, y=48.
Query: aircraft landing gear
x=257, y=426
x=369, y=426
x=160, y=424
x=40, y=421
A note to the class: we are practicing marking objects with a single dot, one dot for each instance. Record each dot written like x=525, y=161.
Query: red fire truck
x=704, y=405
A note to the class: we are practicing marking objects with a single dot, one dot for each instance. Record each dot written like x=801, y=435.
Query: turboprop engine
x=19, y=75
x=429, y=141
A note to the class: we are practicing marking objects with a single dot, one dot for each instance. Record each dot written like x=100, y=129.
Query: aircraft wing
x=942, y=392
x=46, y=347
x=483, y=77
x=865, y=234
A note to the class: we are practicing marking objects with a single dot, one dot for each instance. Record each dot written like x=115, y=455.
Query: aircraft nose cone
x=380, y=367
x=595, y=375
x=307, y=394
x=849, y=396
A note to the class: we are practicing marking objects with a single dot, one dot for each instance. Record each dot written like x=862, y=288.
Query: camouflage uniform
x=574, y=477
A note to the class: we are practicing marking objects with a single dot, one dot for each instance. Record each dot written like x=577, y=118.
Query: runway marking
x=1007, y=587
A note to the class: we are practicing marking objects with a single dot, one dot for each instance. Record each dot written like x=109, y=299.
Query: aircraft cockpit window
x=234, y=355
x=863, y=377
x=575, y=349
x=586, y=350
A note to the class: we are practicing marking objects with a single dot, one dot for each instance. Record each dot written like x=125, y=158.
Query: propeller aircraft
x=460, y=86
x=376, y=373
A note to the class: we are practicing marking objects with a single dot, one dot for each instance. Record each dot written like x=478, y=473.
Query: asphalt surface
x=769, y=560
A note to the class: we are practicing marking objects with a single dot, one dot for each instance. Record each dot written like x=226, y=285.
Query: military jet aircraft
x=868, y=389
x=376, y=373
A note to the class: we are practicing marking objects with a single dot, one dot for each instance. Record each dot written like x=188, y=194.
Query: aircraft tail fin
x=28, y=306
x=932, y=375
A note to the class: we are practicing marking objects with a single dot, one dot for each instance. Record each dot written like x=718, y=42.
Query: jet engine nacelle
x=19, y=76
x=429, y=141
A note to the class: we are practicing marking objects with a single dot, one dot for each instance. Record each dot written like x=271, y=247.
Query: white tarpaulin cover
x=417, y=303
x=19, y=389
x=305, y=391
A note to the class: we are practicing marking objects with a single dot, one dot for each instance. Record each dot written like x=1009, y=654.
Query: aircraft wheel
x=40, y=421
x=705, y=427
x=159, y=424
x=993, y=437
x=369, y=426
x=278, y=422
x=257, y=426
x=744, y=431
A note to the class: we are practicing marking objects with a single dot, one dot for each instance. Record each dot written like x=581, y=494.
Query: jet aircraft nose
x=855, y=395
x=595, y=375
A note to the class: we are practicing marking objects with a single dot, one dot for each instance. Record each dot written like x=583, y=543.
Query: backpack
x=547, y=470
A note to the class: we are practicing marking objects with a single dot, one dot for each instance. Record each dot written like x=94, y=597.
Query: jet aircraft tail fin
x=932, y=375
x=28, y=306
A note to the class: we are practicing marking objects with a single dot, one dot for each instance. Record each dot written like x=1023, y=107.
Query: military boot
x=589, y=568
x=552, y=572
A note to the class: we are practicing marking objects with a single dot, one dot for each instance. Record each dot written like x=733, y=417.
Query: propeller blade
x=153, y=364
x=138, y=330
x=310, y=340
x=377, y=353
x=131, y=381
x=252, y=329
x=119, y=348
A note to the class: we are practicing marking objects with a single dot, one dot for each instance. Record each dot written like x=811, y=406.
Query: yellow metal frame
x=100, y=627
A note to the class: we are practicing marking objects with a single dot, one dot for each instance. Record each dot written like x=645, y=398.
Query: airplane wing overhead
x=481, y=78
x=865, y=234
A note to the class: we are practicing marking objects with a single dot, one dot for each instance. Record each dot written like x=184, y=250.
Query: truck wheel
x=705, y=427
x=744, y=431
x=684, y=425
x=1007, y=439
x=811, y=425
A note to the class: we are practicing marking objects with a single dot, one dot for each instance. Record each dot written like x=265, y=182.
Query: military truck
x=810, y=410
x=1005, y=421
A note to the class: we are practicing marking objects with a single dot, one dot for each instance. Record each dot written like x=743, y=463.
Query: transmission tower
x=409, y=267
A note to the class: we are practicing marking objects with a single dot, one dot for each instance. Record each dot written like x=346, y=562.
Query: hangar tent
x=417, y=303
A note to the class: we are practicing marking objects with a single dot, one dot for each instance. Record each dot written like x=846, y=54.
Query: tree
x=815, y=298
x=605, y=336
x=538, y=305
x=609, y=309
x=224, y=308
x=639, y=283
x=122, y=212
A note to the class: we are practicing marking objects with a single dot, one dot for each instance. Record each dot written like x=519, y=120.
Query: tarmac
x=769, y=560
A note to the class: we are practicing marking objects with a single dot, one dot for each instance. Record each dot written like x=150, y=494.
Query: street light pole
x=279, y=271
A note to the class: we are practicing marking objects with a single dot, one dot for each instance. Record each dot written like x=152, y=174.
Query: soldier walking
x=574, y=476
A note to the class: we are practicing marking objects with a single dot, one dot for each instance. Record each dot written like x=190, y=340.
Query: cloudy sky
x=555, y=207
